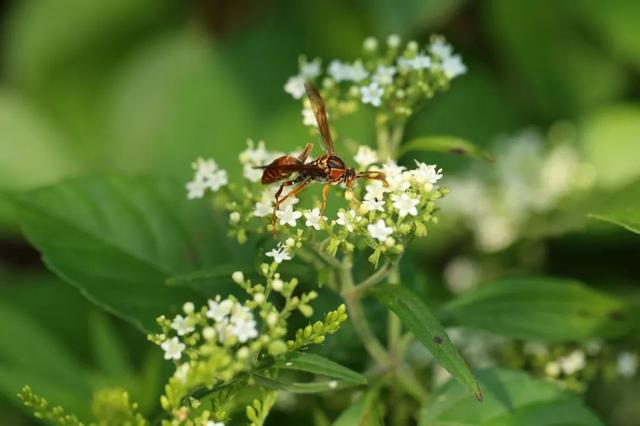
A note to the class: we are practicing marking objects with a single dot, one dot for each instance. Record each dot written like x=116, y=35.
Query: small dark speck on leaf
x=458, y=151
x=616, y=315
x=437, y=340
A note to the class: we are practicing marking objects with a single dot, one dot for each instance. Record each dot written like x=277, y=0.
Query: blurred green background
x=146, y=86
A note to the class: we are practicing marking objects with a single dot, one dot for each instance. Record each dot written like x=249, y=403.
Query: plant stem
x=363, y=286
x=356, y=313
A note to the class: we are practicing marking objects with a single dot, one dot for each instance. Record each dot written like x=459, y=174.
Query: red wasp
x=328, y=168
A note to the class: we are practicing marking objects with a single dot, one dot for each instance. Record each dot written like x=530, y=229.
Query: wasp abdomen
x=278, y=170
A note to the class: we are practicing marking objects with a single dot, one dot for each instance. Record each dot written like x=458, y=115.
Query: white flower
x=357, y=72
x=375, y=191
x=314, y=219
x=308, y=118
x=426, y=175
x=263, y=208
x=627, y=364
x=393, y=41
x=217, y=180
x=338, y=70
x=391, y=169
x=405, y=204
x=441, y=49
x=212, y=423
x=204, y=167
x=372, y=94
x=288, y=216
x=182, y=325
x=295, y=86
x=196, y=189
x=384, y=75
x=223, y=329
x=251, y=173
x=207, y=175
x=343, y=72
x=309, y=70
x=172, y=348
x=244, y=329
x=453, y=66
x=461, y=275
x=255, y=155
x=219, y=310
x=365, y=156
x=279, y=254
x=379, y=230
x=421, y=61
x=347, y=219
x=374, y=204
x=573, y=362
x=405, y=63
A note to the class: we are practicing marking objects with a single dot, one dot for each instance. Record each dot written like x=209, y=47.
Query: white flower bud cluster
x=498, y=202
x=393, y=80
x=207, y=176
x=214, y=344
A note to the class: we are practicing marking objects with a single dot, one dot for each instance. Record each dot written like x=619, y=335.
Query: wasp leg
x=291, y=193
x=373, y=175
x=325, y=194
x=277, y=203
x=304, y=154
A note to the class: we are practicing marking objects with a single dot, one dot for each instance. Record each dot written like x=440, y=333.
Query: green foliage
x=622, y=207
x=511, y=398
x=316, y=364
x=363, y=412
x=117, y=240
x=417, y=317
x=539, y=308
x=444, y=144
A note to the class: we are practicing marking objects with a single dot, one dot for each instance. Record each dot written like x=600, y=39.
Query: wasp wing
x=319, y=110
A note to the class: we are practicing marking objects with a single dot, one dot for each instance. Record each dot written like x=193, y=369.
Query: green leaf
x=108, y=349
x=539, y=308
x=417, y=317
x=316, y=364
x=174, y=101
x=119, y=239
x=413, y=15
x=296, y=387
x=445, y=144
x=512, y=398
x=214, y=279
x=620, y=207
x=31, y=355
x=549, y=58
x=32, y=151
x=363, y=412
x=609, y=138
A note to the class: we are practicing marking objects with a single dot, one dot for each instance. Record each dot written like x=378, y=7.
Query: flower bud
x=276, y=348
x=393, y=41
x=209, y=333
x=234, y=217
x=370, y=44
x=237, y=277
x=188, y=308
x=277, y=284
x=259, y=298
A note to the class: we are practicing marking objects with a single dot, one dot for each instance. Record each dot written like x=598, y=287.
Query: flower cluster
x=499, y=202
x=393, y=80
x=219, y=343
x=207, y=176
x=382, y=215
